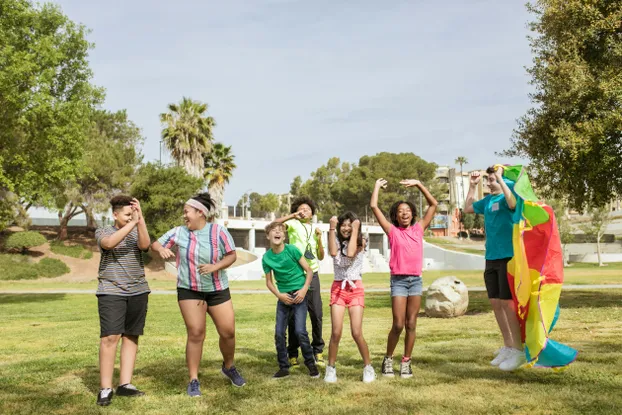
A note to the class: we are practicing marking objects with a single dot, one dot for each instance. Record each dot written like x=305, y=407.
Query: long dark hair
x=393, y=212
x=351, y=216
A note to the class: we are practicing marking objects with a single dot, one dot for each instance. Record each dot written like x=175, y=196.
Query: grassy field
x=49, y=346
x=577, y=274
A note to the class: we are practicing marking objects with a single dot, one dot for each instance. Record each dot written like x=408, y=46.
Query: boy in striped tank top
x=122, y=294
x=204, y=251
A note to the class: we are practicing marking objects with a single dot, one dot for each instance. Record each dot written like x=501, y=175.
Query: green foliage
x=294, y=188
x=22, y=241
x=219, y=166
x=110, y=159
x=468, y=221
x=45, y=98
x=478, y=223
x=595, y=228
x=74, y=251
x=338, y=187
x=51, y=268
x=187, y=134
x=20, y=267
x=162, y=192
x=573, y=132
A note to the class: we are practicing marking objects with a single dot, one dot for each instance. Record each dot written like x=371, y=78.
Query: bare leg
x=398, y=307
x=107, y=356
x=356, y=326
x=224, y=319
x=412, y=311
x=336, y=317
x=513, y=325
x=502, y=322
x=129, y=347
x=193, y=312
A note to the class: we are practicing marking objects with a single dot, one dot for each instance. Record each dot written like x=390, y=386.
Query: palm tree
x=218, y=169
x=461, y=160
x=187, y=134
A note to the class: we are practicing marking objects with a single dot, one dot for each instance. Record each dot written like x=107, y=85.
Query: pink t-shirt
x=406, y=250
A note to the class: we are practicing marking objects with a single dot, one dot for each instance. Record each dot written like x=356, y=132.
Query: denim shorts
x=406, y=285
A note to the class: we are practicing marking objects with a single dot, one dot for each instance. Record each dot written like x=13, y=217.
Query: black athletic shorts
x=496, y=279
x=119, y=314
x=211, y=298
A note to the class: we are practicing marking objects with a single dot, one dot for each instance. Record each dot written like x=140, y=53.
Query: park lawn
x=579, y=274
x=49, y=346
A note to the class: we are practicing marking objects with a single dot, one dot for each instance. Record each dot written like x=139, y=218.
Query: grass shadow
x=590, y=299
x=29, y=298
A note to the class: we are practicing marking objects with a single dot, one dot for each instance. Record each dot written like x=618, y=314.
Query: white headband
x=198, y=205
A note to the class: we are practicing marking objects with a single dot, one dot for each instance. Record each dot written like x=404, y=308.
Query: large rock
x=447, y=297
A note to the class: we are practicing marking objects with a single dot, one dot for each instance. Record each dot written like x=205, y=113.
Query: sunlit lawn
x=49, y=345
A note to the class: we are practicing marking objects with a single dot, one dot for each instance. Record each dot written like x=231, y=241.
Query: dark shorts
x=211, y=298
x=120, y=314
x=496, y=279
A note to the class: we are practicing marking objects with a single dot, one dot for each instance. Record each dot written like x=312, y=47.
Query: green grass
x=49, y=347
x=22, y=267
x=74, y=251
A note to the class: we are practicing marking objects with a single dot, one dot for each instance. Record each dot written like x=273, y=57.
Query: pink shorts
x=348, y=296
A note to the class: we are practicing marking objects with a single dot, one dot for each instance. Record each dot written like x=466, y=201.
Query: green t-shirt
x=286, y=270
x=302, y=235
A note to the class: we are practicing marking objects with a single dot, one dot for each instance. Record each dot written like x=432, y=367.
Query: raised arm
x=432, y=203
x=332, y=237
x=110, y=242
x=470, y=199
x=283, y=219
x=509, y=196
x=384, y=223
x=143, y=235
x=320, y=246
x=352, y=243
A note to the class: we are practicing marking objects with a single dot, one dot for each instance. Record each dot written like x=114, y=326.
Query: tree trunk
x=68, y=213
x=91, y=223
x=217, y=192
x=600, y=261
x=566, y=264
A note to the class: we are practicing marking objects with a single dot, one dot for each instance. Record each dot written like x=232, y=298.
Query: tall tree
x=46, y=99
x=162, y=192
x=219, y=166
x=110, y=160
x=294, y=188
x=573, y=132
x=596, y=228
x=461, y=161
x=187, y=134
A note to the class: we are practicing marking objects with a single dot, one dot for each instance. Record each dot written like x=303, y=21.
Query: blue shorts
x=406, y=286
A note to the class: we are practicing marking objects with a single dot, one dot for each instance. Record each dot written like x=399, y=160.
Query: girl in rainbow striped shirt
x=204, y=251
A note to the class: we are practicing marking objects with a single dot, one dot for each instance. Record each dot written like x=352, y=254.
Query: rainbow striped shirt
x=205, y=246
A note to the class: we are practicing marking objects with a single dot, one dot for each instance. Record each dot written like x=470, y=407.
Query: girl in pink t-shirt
x=406, y=239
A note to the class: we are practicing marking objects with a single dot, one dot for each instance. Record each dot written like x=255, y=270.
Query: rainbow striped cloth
x=536, y=274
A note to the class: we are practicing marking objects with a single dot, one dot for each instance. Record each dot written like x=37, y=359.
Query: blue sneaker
x=234, y=376
x=194, y=388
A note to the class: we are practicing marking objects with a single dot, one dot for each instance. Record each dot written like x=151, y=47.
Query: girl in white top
x=346, y=246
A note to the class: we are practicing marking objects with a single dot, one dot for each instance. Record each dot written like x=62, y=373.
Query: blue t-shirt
x=498, y=223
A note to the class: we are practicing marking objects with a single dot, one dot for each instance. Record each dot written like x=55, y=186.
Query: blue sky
x=293, y=83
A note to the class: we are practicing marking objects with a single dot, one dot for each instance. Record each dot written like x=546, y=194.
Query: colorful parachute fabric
x=536, y=274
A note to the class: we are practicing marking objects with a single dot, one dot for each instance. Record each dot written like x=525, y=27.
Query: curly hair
x=351, y=216
x=303, y=200
x=206, y=200
x=393, y=212
x=120, y=201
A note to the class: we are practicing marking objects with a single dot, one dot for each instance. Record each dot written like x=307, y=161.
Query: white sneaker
x=369, y=374
x=331, y=374
x=515, y=359
x=504, y=353
x=498, y=350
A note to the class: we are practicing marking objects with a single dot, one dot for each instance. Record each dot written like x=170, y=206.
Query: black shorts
x=211, y=298
x=119, y=314
x=496, y=279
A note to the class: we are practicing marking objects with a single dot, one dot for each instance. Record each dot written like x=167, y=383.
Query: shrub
x=51, y=267
x=22, y=241
x=74, y=251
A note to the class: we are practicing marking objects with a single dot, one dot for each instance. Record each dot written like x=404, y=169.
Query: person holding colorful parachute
x=519, y=225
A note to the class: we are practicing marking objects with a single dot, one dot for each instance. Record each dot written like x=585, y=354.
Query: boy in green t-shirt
x=308, y=241
x=285, y=264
